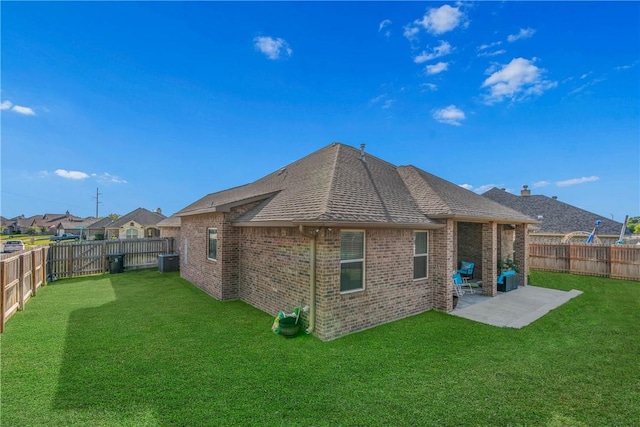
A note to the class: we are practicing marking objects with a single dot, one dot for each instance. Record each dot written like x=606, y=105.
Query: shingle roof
x=557, y=217
x=172, y=221
x=142, y=216
x=337, y=185
x=439, y=198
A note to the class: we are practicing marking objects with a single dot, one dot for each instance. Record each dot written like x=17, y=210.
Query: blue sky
x=157, y=104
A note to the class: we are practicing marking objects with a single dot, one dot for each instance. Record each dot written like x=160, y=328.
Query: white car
x=13, y=246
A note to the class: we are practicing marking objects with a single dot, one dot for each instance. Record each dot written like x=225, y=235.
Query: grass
x=148, y=349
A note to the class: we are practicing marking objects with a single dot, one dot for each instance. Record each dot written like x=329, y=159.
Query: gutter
x=312, y=280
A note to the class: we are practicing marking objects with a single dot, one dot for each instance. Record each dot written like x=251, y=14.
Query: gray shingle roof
x=142, y=216
x=334, y=185
x=557, y=217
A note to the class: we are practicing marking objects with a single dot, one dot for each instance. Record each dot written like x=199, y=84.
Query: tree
x=113, y=216
x=632, y=224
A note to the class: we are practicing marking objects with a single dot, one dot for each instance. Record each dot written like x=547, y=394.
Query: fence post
x=21, y=282
x=34, y=270
x=3, y=288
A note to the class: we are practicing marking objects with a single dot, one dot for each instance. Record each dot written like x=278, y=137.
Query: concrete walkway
x=514, y=309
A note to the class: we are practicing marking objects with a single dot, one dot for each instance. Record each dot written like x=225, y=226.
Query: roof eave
x=226, y=207
x=469, y=218
x=338, y=224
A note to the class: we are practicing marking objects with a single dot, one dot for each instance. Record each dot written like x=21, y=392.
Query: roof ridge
x=324, y=208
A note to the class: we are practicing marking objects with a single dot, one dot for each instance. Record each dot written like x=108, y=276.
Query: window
x=213, y=244
x=132, y=233
x=420, y=252
x=351, y=261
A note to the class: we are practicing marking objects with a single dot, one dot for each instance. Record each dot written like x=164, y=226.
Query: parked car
x=13, y=246
x=64, y=237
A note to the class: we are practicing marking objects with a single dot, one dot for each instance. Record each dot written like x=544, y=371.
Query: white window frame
x=131, y=233
x=425, y=255
x=359, y=260
x=209, y=243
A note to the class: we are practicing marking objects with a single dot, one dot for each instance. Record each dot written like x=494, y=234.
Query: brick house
x=360, y=241
x=139, y=223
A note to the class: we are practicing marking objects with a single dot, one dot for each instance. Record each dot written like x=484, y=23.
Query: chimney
x=159, y=211
x=525, y=190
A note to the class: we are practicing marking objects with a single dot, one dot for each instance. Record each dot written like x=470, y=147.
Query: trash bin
x=168, y=262
x=116, y=263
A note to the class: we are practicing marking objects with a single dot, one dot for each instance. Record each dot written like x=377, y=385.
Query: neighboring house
x=558, y=221
x=48, y=223
x=97, y=229
x=360, y=241
x=139, y=223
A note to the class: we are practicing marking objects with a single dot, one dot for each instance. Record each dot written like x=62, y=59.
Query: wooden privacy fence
x=614, y=261
x=20, y=277
x=92, y=257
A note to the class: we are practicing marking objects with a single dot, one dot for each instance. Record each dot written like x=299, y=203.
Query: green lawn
x=145, y=348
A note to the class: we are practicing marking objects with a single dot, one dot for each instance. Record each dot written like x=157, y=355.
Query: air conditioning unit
x=168, y=262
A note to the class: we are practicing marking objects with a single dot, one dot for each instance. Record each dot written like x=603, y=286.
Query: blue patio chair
x=466, y=269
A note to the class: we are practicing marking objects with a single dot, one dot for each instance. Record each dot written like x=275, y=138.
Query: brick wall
x=470, y=246
x=274, y=268
x=219, y=278
x=390, y=292
x=195, y=267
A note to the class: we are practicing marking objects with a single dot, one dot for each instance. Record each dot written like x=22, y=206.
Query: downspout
x=312, y=280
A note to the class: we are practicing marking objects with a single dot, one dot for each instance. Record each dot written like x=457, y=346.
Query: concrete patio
x=514, y=309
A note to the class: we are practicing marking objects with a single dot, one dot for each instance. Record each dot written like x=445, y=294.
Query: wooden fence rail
x=614, y=261
x=21, y=275
x=92, y=257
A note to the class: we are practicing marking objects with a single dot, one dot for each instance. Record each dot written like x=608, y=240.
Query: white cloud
x=489, y=46
x=410, y=32
x=541, y=184
x=524, y=33
x=576, y=181
x=8, y=105
x=450, y=115
x=384, y=24
x=272, y=48
x=23, y=110
x=437, y=68
x=105, y=177
x=441, y=50
x=466, y=186
x=490, y=54
x=441, y=20
x=71, y=174
x=517, y=80
x=429, y=86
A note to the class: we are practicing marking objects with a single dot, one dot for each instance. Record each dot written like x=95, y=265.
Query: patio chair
x=460, y=285
x=466, y=269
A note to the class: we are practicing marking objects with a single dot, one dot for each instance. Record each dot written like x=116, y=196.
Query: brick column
x=521, y=253
x=489, y=258
x=442, y=255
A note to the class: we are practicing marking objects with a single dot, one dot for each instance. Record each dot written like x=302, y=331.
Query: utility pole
x=97, y=201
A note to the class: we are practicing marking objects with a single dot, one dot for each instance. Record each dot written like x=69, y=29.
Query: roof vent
x=362, y=153
x=525, y=190
x=554, y=197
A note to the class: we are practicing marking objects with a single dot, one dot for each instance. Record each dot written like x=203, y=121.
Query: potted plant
x=507, y=264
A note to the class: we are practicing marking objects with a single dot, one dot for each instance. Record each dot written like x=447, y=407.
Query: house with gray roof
x=558, y=221
x=138, y=223
x=356, y=239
